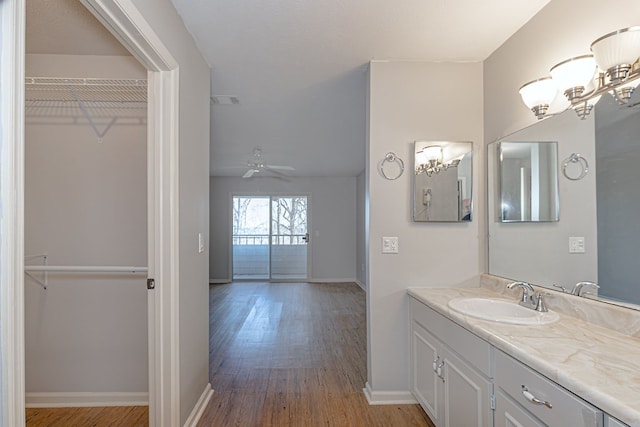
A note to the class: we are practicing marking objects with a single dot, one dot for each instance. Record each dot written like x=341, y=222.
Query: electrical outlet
x=389, y=245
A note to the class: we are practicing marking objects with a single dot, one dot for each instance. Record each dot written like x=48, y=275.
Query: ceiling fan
x=258, y=165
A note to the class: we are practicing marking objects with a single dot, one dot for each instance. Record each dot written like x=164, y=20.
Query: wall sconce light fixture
x=430, y=161
x=613, y=67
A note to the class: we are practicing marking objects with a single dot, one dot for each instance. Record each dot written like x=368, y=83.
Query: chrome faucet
x=527, y=293
x=585, y=288
x=529, y=298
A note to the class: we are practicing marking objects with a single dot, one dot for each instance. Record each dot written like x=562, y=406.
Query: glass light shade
x=432, y=153
x=421, y=159
x=538, y=92
x=617, y=48
x=574, y=72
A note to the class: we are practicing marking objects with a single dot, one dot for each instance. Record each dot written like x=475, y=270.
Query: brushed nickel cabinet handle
x=531, y=398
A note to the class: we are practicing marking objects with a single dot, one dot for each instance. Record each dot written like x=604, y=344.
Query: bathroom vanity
x=471, y=372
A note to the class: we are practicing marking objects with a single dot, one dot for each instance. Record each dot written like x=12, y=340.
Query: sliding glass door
x=270, y=238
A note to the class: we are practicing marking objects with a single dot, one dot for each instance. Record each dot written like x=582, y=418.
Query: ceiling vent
x=225, y=100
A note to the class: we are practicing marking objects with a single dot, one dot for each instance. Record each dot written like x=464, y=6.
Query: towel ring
x=391, y=157
x=581, y=161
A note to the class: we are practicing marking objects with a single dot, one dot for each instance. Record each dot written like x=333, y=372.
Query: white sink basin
x=503, y=311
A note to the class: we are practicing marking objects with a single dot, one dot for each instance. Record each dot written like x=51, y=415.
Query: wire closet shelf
x=99, y=103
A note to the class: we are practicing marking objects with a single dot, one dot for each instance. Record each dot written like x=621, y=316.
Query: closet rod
x=85, y=269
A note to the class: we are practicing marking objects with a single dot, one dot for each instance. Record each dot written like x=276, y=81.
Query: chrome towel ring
x=391, y=157
x=575, y=158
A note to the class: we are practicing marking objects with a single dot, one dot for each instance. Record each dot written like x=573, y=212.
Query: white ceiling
x=298, y=67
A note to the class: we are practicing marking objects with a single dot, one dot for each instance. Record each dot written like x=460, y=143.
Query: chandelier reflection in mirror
x=430, y=160
x=612, y=67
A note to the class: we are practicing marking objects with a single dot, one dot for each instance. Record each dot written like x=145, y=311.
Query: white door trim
x=123, y=19
x=12, y=50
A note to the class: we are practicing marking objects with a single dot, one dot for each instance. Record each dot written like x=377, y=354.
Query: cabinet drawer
x=510, y=414
x=567, y=409
x=612, y=422
x=456, y=337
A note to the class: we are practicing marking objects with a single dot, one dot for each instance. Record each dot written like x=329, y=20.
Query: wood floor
x=293, y=354
x=281, y=354
x=130, y=416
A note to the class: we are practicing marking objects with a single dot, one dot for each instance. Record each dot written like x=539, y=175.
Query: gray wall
x=332, y=206
x=411, y=101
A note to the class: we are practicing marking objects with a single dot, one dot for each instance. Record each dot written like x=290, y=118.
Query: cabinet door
x=425, y=383
x=510, y=414
x=466, y=394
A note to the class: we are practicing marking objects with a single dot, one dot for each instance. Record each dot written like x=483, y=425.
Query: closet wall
x=86, y=334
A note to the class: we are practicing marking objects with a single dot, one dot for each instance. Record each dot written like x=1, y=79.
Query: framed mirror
x=442, y=184
x=528, y=175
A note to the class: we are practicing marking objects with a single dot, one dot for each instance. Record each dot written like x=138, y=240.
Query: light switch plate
x=389, y=245
x=576, y=245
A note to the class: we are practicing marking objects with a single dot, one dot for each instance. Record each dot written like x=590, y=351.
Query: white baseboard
x=75, y=400
x=362, y=285
x=219, y=281
x=198, y=410
x=388, y=397
x=349, y=280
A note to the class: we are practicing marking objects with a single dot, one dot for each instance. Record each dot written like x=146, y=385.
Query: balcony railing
x=263, y=239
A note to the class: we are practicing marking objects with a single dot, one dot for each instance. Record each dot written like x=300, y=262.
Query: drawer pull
x=531, y=398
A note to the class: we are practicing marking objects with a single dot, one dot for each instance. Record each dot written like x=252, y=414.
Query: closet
x=85, y=231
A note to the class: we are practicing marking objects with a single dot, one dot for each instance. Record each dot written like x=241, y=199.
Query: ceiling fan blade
x=249, y=173
x=281, y=168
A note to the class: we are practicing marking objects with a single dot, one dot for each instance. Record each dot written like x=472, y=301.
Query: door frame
x=271, y=195
x=127, y=24
x=12, y=50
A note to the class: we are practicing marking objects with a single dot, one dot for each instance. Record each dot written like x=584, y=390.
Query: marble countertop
x=600, y=365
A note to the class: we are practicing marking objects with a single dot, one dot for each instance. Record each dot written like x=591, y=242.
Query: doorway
x=270, y=237
x=126, y=21
x=85, y=216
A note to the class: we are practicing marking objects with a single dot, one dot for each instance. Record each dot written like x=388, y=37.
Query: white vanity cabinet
x=461, y=380
x=452, y=381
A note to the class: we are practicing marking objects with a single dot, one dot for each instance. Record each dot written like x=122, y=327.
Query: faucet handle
x=562, y=288
x=540, y=305
x=584, y=288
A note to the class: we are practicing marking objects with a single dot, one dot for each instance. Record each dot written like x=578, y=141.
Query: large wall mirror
x=442, y=181
x=599, y=210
